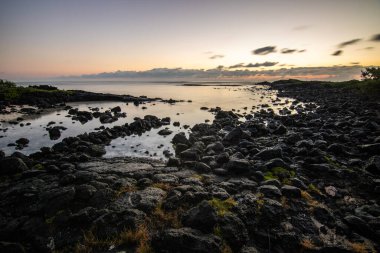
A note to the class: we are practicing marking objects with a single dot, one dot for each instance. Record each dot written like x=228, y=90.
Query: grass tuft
x=222, y=206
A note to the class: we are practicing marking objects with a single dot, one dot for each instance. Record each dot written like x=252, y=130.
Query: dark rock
x=180, y=138
x=238, y=166
x=96, y=150
x=116, y=109
x=172, y=161
x=54, y=133
x=189, y=155
x=185, y=240
x=373, y=165
x=270, y=153
x=276, y=162
x=11, y=247
x=233, y=136
x=233, y=231
x=11, y=166
x=202, y=167
x=269, y=191
x=291, y=191
x=165, y=132
x=222, y=158
x=202, y=217
x=359, y=225
x=373, y=149
x=280, y=130
x=22, y=141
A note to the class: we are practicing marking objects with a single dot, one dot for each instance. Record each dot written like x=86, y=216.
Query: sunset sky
x=46, y=39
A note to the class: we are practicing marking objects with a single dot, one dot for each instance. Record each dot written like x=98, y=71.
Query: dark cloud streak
x=216, y=56
x=254, y=65
x=264, y=50
x=337, y=53
x=350, y=42
x=376, y=37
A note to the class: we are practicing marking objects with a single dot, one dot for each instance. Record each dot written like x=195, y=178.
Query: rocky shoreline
x=306, y=182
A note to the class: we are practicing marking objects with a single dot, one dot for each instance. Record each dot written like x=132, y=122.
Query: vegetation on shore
x=10, y=91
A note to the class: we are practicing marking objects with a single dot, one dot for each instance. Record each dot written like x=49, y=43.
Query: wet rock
x=373, y=165
x=202, y=217
x=54, y=133
x=202, y=167
x=276, y=162
x=96, y=150
x=172, y=161
x=233, y=136
x=189, y=155
x=238, y=166
x=373, y=149
x=165, y=132
x=180, y=138
x=233, y=231
x=280, y=130
x=186, y=240
x=22, y=141
x=11, y=166
x=222, y=158
x=116, y=109
x=270, y=153
x=359, y=225
x=270, y=191
x=291, y=191
x=216, y=147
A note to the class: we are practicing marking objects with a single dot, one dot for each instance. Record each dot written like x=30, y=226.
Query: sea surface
x=244, y=98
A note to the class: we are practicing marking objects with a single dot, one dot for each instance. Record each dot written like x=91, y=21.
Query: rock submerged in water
x=165, y=132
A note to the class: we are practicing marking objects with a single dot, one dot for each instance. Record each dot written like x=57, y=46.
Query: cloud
x=337, y=53
x=216, y=56
x=264, y=50
x=253, y=65
x=315, y=73
x=368, y=48
x=350, y=42
x=264, y=64
x=376, y=37
x=355, y=63
x=302, y=51
x=288, y=51
x=239, y=65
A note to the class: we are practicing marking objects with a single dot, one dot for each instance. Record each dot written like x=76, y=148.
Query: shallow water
x=188, y=113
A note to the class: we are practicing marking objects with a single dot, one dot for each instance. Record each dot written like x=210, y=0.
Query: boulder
x=270, y=153
x=233, y=231
x=291, y=191
x=11, y=166
x=269, y=191
x=238, y=166
x=202, y=217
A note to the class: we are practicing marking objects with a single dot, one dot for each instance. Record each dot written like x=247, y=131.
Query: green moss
x=222, y=206
x=38, y=166
x=281, y=174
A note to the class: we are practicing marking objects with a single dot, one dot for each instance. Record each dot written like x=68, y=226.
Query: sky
x=257, y=39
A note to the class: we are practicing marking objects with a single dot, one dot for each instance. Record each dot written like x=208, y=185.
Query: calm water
x=227, y=98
